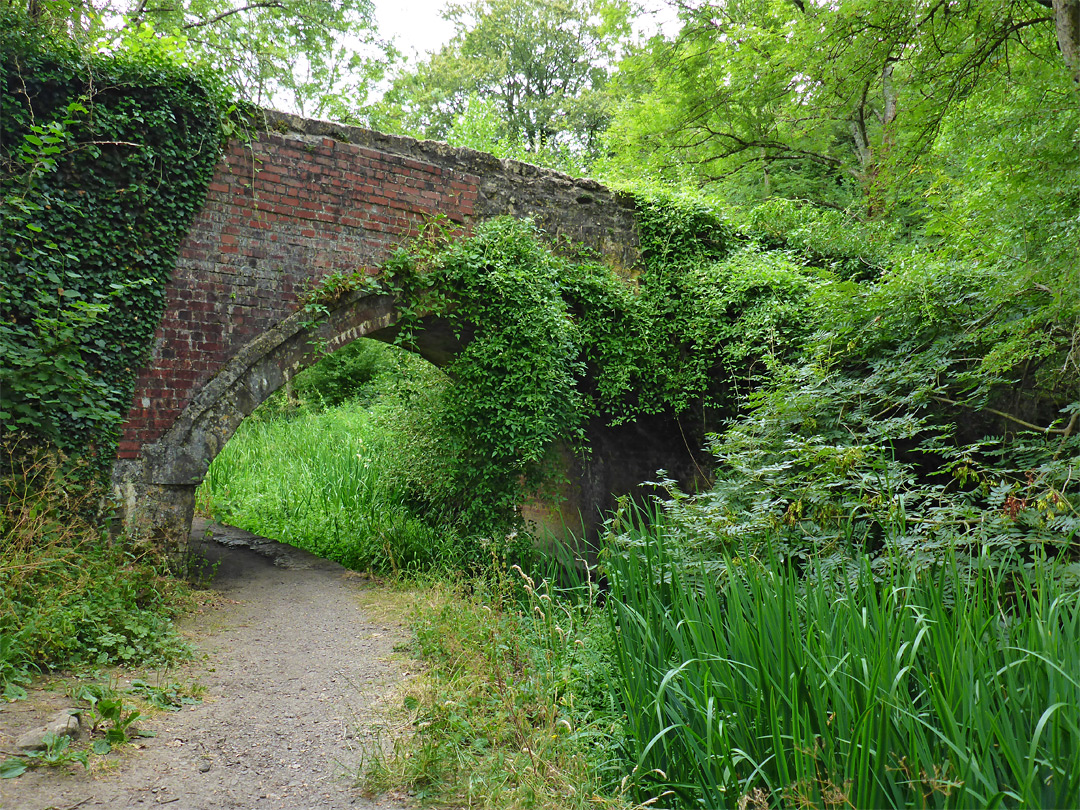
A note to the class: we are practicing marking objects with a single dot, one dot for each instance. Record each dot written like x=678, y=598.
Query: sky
x=418, y=29
x=415, y=25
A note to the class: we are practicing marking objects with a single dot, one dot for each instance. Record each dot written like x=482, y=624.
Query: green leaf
x=12, y=767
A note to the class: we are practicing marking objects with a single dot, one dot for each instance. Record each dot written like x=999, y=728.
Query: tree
x=316, y=57
x=727, y=97
x=543, y=64
x=850, y=91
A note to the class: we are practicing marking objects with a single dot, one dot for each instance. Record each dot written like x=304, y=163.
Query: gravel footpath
x=296, y=673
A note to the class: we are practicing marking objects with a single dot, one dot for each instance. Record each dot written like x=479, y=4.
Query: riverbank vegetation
x=845, y=615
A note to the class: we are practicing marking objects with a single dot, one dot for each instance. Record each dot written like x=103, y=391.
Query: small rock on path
x=295, y=673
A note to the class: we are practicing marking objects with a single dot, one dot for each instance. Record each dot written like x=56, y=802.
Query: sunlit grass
x=323, y=481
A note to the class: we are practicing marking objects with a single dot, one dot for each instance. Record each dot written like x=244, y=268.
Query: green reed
x=768, y=686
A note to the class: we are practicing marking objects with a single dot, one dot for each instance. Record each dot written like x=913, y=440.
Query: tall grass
x=502, y=713
x=772, y=687
x=325, y=481
x=71, y=596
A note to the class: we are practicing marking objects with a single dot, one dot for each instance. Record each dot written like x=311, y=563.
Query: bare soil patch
x=297, y=658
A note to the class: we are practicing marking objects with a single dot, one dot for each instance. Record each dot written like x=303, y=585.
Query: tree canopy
x=839, y=103
x=318, y=57
x=541, y=67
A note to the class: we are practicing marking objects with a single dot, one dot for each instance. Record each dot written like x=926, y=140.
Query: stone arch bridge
x=306, y=198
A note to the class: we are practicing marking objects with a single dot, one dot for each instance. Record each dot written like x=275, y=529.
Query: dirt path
x=295, y=670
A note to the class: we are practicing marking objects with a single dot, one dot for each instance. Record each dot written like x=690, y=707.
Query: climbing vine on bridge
x=556, y=340
x=104, y=160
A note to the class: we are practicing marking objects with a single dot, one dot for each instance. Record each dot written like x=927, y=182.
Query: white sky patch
x=657, y=15
x=416, y=26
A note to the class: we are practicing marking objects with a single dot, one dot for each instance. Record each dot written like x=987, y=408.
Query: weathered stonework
x=300, y=200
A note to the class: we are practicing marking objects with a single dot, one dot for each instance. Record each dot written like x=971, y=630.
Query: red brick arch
x=297, y=201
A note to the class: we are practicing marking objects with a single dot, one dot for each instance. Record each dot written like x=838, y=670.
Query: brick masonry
x=299, y=200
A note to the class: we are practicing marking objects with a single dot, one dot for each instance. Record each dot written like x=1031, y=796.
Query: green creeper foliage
x=105, y=159
x=515, y=380
x=929, y=408
x=555, y=341
x=690, y=328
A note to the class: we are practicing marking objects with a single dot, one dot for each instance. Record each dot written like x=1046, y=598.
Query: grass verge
x=505, y=714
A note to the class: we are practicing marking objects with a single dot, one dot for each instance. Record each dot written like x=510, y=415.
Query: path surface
x=296, y=670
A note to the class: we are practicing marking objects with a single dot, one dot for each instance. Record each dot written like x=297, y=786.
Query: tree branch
x=1065, y=431
x=231, y=11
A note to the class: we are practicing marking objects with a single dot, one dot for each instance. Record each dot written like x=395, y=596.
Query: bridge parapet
x=576, y=209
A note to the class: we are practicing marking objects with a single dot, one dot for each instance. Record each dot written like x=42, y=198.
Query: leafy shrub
x=931, y=411
x=346, y=375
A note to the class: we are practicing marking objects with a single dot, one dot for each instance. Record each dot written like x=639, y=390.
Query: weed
x=13, y=677
x=111, y=720
x=70, y=596
x=57, y=752
x=496, y=718
x=171, y=697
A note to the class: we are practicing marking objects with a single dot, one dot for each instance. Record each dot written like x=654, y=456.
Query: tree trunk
x=1067, y=23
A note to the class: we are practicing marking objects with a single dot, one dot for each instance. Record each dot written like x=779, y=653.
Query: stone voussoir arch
x=159, y=494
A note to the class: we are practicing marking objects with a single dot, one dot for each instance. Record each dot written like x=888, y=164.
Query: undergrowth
x=70, y=596
x=776, y=682
x=511, y=709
